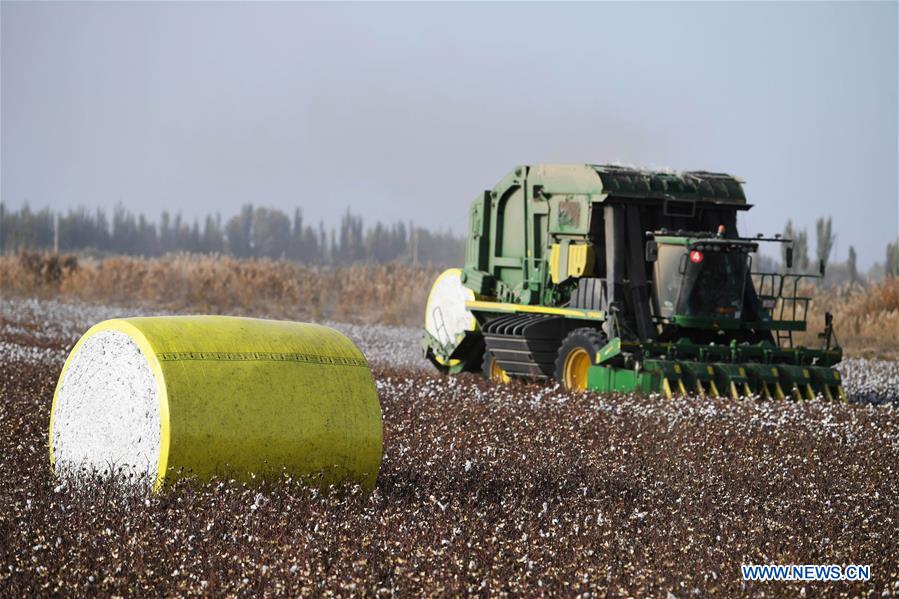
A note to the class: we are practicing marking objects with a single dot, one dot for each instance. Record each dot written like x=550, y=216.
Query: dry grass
x=866, y=318
x=387, y=294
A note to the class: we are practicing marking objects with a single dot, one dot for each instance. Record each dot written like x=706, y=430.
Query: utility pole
x=56, y=232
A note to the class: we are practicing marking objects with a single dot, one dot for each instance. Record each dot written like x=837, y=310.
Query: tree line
x=260, y=232
x=825, y=239
x=254, y=232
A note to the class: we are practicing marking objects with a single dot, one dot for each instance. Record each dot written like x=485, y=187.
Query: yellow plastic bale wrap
x=239, y=396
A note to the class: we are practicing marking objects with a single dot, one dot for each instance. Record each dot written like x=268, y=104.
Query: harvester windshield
x=713, y=284
x=702, y=281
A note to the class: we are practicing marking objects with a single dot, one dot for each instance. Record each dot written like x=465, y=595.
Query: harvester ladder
x=784, y=339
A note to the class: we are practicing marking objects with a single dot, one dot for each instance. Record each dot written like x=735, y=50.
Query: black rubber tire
x=591, y=340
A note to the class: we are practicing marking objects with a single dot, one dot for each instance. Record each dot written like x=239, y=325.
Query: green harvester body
x=615, y=279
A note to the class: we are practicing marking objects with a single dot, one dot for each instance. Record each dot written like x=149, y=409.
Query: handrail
x=784, y=289
x=777, y=281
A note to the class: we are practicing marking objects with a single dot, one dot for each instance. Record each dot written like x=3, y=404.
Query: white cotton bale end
x=106, y=418
x=151, y=400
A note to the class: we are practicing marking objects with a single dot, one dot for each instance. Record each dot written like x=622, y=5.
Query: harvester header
x=618, y=279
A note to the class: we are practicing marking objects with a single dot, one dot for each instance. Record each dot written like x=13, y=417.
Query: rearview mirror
x=652, y=251
x=821, y=267
x=788, y=257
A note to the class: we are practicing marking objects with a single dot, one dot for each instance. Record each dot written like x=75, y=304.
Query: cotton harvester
x=616, y=279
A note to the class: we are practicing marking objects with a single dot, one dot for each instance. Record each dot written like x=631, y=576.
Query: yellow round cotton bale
x=160, y=398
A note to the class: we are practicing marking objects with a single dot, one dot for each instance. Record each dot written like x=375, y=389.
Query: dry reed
x=388, y=294
x=866, y=318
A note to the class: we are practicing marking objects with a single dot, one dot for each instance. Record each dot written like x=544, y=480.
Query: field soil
x=485, y=490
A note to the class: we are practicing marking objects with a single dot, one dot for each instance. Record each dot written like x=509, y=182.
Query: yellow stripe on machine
x=486, y=306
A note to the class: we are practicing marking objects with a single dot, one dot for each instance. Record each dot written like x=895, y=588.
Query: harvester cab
x=616, y=279
x=699, y=282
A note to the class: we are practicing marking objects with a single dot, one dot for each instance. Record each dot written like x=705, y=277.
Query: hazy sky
x=407, y=111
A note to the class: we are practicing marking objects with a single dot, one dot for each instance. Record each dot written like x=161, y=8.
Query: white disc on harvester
x=446, y=316
x=107, y=418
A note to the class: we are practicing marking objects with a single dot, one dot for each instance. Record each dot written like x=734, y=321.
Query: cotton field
x=520, y=489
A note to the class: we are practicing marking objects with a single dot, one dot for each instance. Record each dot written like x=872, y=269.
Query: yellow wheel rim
x=574, y=375
x=497, y=374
